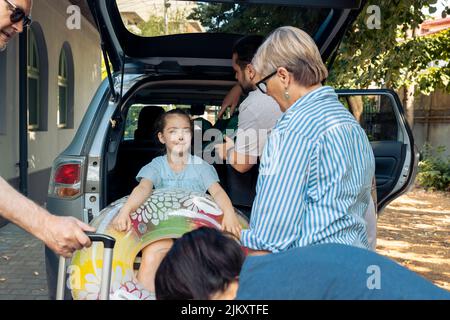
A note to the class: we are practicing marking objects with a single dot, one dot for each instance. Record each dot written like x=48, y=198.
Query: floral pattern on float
x=167, y=213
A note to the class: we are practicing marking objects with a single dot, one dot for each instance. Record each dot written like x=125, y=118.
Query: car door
x=381, y=115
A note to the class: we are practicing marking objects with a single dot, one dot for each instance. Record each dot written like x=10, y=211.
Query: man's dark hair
x=246, y=48
x=201, y=263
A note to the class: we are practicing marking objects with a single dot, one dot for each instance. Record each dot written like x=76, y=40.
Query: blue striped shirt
x=315, y=178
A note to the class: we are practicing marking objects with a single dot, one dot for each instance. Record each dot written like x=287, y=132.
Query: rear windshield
x=150, y=18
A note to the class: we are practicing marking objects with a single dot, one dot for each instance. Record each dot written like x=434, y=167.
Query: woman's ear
x=285, y=76
x=161, y=138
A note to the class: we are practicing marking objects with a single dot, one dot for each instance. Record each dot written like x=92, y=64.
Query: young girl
x=177, y=169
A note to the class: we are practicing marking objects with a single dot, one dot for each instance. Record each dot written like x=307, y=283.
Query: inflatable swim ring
x=166, y=214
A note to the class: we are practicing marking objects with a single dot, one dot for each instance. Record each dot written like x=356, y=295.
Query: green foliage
x=434, y=169
x=255, y=19
x=444, y=13
x=394, y=56
x=155, y=25
x=132, y=121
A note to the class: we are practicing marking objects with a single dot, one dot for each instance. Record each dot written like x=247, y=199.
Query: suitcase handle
x=108, y=243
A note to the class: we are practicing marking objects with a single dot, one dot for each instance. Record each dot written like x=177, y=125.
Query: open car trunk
x=206, y=56
x=213, y=48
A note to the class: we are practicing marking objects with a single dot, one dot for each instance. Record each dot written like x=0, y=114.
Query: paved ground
x=22, y=267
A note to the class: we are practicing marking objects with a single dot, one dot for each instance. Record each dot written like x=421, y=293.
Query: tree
x=251, y=19
x=393, y=56
x=155, y=25
x=388, y=56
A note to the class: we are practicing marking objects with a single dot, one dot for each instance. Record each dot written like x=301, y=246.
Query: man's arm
x=61, y=234
x=231, y=101
x=240, y=162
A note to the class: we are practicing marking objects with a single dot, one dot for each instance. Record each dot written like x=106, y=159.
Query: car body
x=100, y=164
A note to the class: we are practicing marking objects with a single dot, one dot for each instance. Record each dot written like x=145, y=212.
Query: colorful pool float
x=166, y=214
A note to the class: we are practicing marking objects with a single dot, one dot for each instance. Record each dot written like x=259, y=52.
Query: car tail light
x=68, y=173
x=66, y=179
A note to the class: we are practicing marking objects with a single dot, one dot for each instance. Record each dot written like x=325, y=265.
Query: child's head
x=174, y=129
x=202, y=264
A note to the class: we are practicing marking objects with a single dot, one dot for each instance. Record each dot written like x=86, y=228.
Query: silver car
x=150, y=74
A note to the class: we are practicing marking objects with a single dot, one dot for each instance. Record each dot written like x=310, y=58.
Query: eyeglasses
x=262, y=85
x=18, y=14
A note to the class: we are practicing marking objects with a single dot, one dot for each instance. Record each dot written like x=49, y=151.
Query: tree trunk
x=408, y=104
x=408, y=96
x=356, y=106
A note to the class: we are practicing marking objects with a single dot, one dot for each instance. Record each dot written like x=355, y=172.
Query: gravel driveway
x=415, y=231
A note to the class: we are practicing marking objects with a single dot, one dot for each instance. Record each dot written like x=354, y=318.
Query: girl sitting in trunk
x=177, y=169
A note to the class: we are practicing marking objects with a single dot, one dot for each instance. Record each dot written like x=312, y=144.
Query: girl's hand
x=122, y=222
x=230, y=223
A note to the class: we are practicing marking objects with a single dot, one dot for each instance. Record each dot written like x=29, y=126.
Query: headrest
x=146, y=123
x=198, y=109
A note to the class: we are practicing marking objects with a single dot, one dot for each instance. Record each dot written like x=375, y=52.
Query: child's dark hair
x=161, y=122
x=201, y=263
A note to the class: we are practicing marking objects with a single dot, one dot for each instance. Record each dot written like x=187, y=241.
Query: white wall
x=85, y=45
x=9, y=136
x=432, y=120
x=439, y=135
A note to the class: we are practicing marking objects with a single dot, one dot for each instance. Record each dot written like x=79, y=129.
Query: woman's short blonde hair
x=295, y=50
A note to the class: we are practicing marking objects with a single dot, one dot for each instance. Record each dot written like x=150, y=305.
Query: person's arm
x=243, y=154
x=123, y=220
x=63, y=235
x=230, y=221
x=231, y=100
x=240, y=162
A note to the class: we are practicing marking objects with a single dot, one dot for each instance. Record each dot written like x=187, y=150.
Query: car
x=147, y=75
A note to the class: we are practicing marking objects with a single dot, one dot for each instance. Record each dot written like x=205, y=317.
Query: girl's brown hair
x=161, y=123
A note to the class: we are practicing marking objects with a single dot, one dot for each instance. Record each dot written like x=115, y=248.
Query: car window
x=211, y=114
x=158, y=17
x=132, y=120
x=376, y=114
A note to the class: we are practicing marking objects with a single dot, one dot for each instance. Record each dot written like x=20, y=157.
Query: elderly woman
x=317, y=167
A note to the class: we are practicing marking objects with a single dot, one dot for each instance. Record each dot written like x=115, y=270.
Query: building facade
x=64, y=70
x=136, y=12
